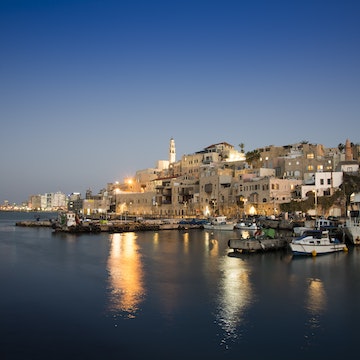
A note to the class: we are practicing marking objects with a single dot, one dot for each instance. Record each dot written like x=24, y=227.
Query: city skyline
x=172, y=158
x=92, y=91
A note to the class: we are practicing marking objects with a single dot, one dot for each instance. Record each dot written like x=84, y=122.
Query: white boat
x=219, y=223
x=316, y=242
x=352, y=228
x=246, y=226
x=169, y=224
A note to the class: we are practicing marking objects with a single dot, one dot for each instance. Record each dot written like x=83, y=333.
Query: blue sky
x=91, y=91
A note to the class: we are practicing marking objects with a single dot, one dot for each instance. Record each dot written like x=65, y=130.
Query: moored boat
x=169, y=224
x=242, y=225
x=219, y=223
x=316, y=242
x=352, y=226
x=352, y=230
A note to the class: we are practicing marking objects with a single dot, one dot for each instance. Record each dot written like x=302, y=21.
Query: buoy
x=313, y=253
x=346, y=249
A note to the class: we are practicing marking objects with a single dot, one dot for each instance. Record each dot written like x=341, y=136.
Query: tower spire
x=172, y=153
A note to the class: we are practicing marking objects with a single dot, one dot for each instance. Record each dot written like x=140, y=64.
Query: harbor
x=184, y=293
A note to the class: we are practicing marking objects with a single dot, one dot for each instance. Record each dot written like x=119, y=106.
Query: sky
x=92, y=91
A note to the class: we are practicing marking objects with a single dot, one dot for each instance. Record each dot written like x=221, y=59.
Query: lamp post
x=316, y=203
x=117, y=191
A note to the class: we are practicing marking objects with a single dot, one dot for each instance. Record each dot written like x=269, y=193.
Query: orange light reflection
x=125, y=274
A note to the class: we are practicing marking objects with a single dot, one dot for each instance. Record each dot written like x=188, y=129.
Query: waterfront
x=169, y=294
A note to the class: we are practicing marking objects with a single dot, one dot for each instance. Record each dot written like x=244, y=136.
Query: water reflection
x=212, y=244
x=315, y=305
x=185, y=237
x=316, y=300
x=246, y=234
x=125, y=274
x=235, y=295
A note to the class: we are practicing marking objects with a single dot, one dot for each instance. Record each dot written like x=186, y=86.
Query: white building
x=325, y=184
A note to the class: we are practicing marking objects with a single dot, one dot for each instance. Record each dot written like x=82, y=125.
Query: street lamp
x=316, y=203
x=117, y=192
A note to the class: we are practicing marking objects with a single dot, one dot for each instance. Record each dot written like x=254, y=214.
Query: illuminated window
x=310, y=156
x=310, y=168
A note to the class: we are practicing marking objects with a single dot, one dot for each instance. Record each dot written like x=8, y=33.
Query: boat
x=320, y=224
x=352, y=227
x=263, y=240
x=169, y=224
x=246, y=225
x=316, y=242
x=219, y=223
x=69, y=222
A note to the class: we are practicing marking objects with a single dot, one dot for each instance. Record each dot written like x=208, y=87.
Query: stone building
x=218, y=180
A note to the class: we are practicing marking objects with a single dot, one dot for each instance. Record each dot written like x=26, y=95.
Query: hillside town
x=220, y=180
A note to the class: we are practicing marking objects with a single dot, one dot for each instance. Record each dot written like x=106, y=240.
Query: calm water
x=170, y=295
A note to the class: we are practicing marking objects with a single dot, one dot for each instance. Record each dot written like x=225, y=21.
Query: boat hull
x=222, y=227
x=308, y=249
x=352, y=231
x=245, y=227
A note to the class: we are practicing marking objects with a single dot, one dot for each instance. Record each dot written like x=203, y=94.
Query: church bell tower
x=172, y=153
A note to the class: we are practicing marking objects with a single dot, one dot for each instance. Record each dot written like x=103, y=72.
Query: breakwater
x=35, y=223
x=106, y=226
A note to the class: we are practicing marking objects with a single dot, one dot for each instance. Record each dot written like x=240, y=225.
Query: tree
x=242, y=146
x=253, y=157
x=350, y=184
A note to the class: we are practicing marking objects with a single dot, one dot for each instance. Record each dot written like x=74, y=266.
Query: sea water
x=170, y=295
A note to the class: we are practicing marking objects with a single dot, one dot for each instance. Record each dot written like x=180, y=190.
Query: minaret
x=348, y=151
x=172, y=153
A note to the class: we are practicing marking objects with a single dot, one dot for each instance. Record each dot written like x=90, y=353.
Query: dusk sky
x=92, y=91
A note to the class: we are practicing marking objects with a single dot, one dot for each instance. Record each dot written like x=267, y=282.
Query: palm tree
x=253, y=157
x=341, y=147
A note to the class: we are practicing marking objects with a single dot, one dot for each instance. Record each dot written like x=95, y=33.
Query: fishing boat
x=316, y=242
x=352, y=228
x=242, y=225
x=219, y=223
